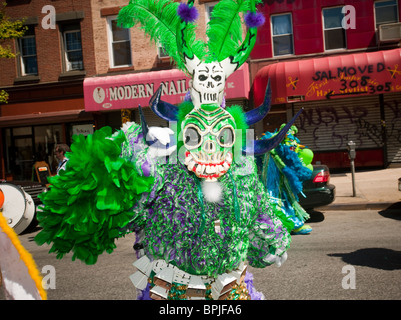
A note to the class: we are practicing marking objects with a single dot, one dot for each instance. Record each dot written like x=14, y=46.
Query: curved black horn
x=144, y=124
x=262, y=146
x=164, y=110
x=260, y=112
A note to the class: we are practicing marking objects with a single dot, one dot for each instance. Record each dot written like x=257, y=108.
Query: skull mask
x=208, y=137
x=208, y=81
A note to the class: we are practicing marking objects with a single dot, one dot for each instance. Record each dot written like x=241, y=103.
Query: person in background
x=60, y=151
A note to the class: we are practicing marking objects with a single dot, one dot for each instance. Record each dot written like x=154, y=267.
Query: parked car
x=318, y=190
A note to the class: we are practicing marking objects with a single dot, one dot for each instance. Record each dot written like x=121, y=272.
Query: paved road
x=367, y=243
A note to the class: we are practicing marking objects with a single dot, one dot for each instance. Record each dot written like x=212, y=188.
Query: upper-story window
x=27, y=49
x=282, y=34
x=72, y=47
x=209, y=8
x=119, y=44
x=386, y=12
x=334, y=33
x=161, y=52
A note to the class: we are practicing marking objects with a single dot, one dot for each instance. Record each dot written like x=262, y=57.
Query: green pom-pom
x=90, y=201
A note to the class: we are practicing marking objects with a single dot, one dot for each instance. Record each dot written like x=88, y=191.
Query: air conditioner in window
x=390, y=32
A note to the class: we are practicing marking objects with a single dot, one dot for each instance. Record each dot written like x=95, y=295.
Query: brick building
x=340, y=60
x=44, y=83
x=67, y=71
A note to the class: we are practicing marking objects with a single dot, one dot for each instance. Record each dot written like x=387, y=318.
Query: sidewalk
x=376, y=189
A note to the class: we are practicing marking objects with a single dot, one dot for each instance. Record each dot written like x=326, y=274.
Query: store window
x=119, y=44
x=46, y=138
x=282, y=34
x=24, y=146
x=19, y=153
x=334, y=33
x=72, y=47
x=386, y=12
x=27, y=56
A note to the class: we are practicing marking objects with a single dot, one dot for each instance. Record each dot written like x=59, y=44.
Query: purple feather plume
x=187, y=14
x=254, y=19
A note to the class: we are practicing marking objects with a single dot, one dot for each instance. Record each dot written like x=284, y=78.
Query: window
x=119, y=44
x=281, y=26
x=27, y=48
x=386, y=12
x=161, y=52
x=72, y=46
x=334, y=33
x=209, y=8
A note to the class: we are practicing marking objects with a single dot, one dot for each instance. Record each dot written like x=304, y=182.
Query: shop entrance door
x=22, y=152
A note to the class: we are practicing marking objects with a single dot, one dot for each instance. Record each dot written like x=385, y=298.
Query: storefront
x=111, y=95
x=353, y=97
x=32, y=123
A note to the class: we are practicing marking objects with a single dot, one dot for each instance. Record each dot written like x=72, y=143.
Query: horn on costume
x=260, y=112
x=164, y=110
x=262, y=146
x=144, y=125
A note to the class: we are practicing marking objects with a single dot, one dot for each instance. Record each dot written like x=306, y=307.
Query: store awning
x=330, y=77
x=130, y=90
x=44, y=118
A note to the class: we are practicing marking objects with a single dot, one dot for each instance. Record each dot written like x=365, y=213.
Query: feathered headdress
x=170, y=24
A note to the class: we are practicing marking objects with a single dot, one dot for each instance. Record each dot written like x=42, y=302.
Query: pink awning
x=130, y=90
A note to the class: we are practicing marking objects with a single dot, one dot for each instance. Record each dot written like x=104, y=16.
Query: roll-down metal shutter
x=328, y=125
x=392, y=116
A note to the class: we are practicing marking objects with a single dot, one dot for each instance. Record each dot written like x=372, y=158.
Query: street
x=349, y=255
x=368, y=241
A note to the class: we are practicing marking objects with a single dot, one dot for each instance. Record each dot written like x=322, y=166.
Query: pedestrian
x=60, y=150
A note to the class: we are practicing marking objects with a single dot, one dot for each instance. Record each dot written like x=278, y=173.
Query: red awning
x=130, y=90
x=330, y=77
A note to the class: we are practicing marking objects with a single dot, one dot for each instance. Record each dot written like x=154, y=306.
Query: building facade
x=44, y=83
x=340, y=61
x=79, y=72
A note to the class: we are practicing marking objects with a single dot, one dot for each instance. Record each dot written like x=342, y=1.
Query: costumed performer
x=283, y=171
x=198, y=207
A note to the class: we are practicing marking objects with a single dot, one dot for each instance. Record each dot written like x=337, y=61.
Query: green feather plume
x=160, y=21
x=225, y=29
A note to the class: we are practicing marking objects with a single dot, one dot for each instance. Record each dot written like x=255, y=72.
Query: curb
x=357, y=206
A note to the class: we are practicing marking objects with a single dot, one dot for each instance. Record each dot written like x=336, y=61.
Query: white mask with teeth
x=209, y=138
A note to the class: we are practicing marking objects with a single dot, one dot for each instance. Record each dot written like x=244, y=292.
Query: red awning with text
x=130, y=90
x=330, y=77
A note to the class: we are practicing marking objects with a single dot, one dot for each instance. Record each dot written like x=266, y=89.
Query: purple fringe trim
x=255, y=295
